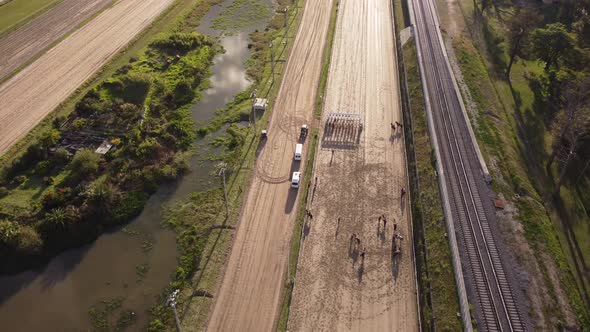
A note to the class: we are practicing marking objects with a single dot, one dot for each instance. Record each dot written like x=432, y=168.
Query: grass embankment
x=52, y=200
x=17, y=13
x=319, y=101
x=439, y=303
x=509, y=123
x=289, y=284
x=205, y=233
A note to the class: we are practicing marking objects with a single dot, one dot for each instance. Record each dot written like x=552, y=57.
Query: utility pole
x=286, y=23
x=253, y=110
x=172, y=304
x=272, y=60
x=222, y=174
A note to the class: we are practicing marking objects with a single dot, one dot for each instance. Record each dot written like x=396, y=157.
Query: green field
x=17, y=12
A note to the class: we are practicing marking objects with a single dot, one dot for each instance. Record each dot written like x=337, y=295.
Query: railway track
x=496, y=306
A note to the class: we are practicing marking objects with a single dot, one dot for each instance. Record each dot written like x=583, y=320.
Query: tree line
x=558, y=36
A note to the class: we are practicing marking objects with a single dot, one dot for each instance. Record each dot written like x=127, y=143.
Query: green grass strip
x=319, y=101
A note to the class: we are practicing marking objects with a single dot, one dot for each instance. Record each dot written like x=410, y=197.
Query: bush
x=55, y=198
x=156, y=325
x=179, y=42
x=130, y=206
x=20, y=179
x=19, y=238
x=183, y=93
x=61, y=156
x=3, y=191
x=9, y=232
x=29, y=240
x=59, y=219
x=79, y=123
x=101, y=197
x=84, y=164
x=50, y=138
x=89, y=104
x=135, y=87
x=148, y=149
x=183, y=130
x=44, y=167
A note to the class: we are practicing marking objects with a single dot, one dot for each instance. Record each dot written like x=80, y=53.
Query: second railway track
x=492, y=294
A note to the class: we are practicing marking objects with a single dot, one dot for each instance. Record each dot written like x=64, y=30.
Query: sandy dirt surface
x=248, y=298
x=336, y=289
x=21, y=45
x=30, y=95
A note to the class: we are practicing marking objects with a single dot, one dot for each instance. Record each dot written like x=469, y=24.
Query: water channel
x=132, y=263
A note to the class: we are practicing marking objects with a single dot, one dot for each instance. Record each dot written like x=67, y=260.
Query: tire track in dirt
x=335, y=288
x=38, y=89
x=248, y=297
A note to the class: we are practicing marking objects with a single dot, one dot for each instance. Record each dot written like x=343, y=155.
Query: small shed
x=104, y=148
x=260, y=104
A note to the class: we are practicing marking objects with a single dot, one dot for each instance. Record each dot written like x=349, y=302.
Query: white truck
x=298, y=151
x=295, y=179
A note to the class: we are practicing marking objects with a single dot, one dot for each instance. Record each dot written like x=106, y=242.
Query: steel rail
x=463, y=184
x=480, y=275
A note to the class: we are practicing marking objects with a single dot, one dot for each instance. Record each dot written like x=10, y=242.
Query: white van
x=295, y=179
x=298, y=151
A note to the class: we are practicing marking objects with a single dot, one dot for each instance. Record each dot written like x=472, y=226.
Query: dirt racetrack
x=30, y=95
x=248, y=298
x=21, y=45
x=359, y=178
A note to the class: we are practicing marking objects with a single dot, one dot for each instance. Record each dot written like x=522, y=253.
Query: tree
x=551, y=43
x=571, y=125
x=519, y=28
x=50, y=138
x=84, y=163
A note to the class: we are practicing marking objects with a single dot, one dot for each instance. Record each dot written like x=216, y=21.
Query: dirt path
x=248, y=298
x=336, y=288
x=20, y=46
x=34, y=92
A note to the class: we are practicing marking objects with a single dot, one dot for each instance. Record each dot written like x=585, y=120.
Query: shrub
x=136, y=87
x=9, y=232
x=89, y=104
x=59, y=219
x=147, y=149
x=19, y=238
x=183, y=92
x=28, y=160
x=3, y=191
x=128, y=112
x=20, y=179
x=29, y=240
x=84, y=164
x=156, y=325
x=101, y=197
x=54, y=198
x=61, y=156
x=50, y=138
x=129, y=207
x=183, y=130
x=179, y=42
x=43, y=167
x=79, y=123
